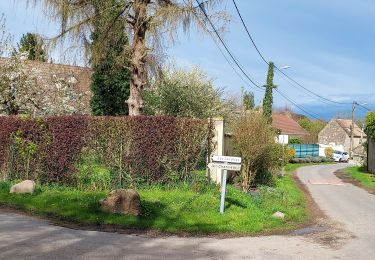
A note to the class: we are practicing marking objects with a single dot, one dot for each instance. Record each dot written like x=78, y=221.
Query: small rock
x=278, y=214
x=26, y=186
x=122, y=201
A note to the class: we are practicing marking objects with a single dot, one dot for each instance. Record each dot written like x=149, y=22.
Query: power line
x=248, y=33
x=229, y=63
x=240, y=66
x=226, y=47
x=316, y=116
x=315, y=94
x=277, y=68
x=362, y=106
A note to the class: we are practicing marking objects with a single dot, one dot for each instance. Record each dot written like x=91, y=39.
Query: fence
x=371, y=156
x=303, y=150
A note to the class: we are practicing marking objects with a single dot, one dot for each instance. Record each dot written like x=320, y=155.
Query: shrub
x=295, y=160
x=316, y=160
x=294, y=141
x=255, y=143
x=328, y=152
x=185, y=93
x=370, y=125
x=302, y=160
x=290, y=153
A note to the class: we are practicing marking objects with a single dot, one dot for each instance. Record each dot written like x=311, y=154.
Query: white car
x=340, y=156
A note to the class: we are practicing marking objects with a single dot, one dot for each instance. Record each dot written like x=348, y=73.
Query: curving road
x=347, y=233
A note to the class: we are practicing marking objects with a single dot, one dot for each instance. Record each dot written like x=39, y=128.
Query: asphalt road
x=347, y=233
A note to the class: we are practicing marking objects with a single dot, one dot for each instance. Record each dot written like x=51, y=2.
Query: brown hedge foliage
x=66, y=135
x=138, y=148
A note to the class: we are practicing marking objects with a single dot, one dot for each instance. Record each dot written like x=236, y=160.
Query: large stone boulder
x=122, y=201
x=27, y=186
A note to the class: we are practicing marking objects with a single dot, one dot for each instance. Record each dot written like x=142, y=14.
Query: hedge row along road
x=347, y=232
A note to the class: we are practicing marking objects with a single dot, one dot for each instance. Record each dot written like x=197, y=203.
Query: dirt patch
x=349, y=179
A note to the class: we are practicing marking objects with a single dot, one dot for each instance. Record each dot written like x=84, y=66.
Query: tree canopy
x=185, y=93
x=248, y=101
x=313, y=127
x=370, y=125
x=111, y=76
x=33, y=45
x=147, y=23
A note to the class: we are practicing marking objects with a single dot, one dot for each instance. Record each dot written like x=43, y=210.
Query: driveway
x=347, y=233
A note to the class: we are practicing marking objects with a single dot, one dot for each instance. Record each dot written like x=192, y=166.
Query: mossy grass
x=183, y=208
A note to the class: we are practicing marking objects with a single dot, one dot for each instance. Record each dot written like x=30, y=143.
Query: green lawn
x=178, y=209
x=360, y=174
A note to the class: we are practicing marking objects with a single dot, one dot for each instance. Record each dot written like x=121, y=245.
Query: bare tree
x=148, y=24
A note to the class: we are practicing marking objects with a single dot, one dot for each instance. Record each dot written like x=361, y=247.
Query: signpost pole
x=225, y=163
x=223, y=186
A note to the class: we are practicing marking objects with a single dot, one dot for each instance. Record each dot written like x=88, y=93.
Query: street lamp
x=285, y=67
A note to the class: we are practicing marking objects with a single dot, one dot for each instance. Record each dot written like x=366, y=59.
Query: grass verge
x=362, y=176
x=179, y=210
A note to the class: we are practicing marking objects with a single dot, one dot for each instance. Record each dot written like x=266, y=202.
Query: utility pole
x=242, y=101
x=352, y=130
x=352, y=126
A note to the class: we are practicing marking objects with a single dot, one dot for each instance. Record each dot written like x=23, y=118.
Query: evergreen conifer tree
x=33, y=45
x=111, y=78
x=268, y=97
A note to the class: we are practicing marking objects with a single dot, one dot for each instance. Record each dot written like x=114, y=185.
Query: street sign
x=228, y=159
x=225, y=163
x=225, y=166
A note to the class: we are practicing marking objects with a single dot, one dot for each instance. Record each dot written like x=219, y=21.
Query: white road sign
x=223, y=166
x=229, y=159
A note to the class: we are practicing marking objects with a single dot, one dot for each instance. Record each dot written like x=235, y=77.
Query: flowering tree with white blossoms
x=23, y=91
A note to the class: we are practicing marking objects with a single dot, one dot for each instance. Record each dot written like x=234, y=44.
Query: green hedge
x=370, y=125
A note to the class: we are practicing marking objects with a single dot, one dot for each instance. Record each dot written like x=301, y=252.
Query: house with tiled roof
x=337, y=133
x=287, y=127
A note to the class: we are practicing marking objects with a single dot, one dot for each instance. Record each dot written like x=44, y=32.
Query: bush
x=295, y=160
x=290, y=154
x=254, y=140
x=328, y=152
x=294, y=141
x=311, y=159
x=370, y=125
x=185, y=93
x=316, y=160
x=132, y=149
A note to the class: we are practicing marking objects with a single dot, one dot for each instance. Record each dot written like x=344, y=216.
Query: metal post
x=282, y=165
x=223, y=186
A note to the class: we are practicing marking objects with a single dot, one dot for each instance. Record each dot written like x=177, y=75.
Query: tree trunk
x=138, y=62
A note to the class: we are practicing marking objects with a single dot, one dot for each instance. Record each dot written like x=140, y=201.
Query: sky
x=329, y=46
